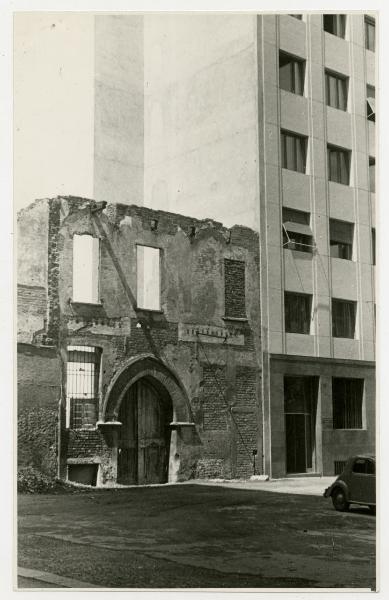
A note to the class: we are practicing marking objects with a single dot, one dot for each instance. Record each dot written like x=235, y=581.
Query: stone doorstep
x=57, y=580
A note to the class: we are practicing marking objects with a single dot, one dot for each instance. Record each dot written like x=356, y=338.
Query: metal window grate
x=339, y=465
x=83, y=369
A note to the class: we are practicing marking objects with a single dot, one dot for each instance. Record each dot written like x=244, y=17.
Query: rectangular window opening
x=370, y=103
x=336, y=90
x=82, y=386
x=296, y=232
x=370, y=33
x=372, y=174
x=86, y=256
x=335, y=24
x=341, y=239
x=294, y=151
x=347, y=400
x=148, y=278
x=343, y=318
x=298, y=310
x=291, y=73
x=338, y=164
x=373, y=246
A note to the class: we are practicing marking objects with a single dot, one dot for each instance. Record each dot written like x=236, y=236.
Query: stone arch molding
x=145, y=365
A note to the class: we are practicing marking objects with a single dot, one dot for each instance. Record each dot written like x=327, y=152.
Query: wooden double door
x=144, y=439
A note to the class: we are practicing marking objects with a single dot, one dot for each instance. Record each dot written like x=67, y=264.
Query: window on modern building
x=148, y=278
x=296, y=232
x=373, y=252
x=86, y=269
x=341, y=239
x=335, y=24
x=294, y=151
x=298, y=308
x=299, y=17
x=372, y=174
x=234, y=289
x=370, y=33
x=347, y=398
x=370, y=103
x=343, y=318
x=291, y=73
x=82, y=386
x=336, y=90
x=338, y=164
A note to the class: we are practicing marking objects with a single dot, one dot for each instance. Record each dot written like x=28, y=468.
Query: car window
x=370, y=467
x=359, y=466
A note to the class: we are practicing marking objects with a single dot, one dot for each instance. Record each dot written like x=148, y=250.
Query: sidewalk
x=309, y=486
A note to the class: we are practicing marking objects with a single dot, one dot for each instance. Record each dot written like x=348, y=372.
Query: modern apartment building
x=267, y=121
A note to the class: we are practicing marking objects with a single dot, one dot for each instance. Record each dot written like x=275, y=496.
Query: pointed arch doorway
x=144, y=440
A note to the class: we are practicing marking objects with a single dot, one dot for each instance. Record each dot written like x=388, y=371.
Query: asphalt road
x=196, y=536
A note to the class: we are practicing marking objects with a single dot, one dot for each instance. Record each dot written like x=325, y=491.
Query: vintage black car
x=355, y=485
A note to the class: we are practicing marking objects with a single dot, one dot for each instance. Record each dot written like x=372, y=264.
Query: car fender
x=340, y=484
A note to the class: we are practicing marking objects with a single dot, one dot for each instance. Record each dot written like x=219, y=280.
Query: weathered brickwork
x=207, y=272
x=246, y=441
x=214, y=403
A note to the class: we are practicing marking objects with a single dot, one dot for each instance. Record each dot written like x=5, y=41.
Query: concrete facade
x=200, y=349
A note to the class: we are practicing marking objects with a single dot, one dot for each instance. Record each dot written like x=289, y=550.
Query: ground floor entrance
x=300, y=397
x=144, y=437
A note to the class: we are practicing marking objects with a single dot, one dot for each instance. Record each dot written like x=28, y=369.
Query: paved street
x=196, y=536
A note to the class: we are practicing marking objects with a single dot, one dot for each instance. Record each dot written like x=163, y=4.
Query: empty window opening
x=336, y=90
x=370, y=103
x=335, y=24
x=372, y=174
x=234, y=288
x=341, y=239
x=148, y=278
x=370, y=33
x=338, y=165
x=298, y=311
x=347, y=398
x=296, y=232
x=343, y=318
x=82, y=387
x=294, y=151
x=291, y=74
x=85, y=269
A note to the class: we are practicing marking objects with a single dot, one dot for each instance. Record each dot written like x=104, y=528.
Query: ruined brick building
x=138, y=344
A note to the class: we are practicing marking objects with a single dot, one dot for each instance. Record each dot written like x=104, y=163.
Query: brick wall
x=234, y=287
x=214, y=393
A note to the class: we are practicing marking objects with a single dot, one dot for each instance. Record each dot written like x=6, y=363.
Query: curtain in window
x=343, y=319
x=370, y=35
x=372, y=176
x=293, y=152
x=347, y=395
x=297, y=313
x=338, y=166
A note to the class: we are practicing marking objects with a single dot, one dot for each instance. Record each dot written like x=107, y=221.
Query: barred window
x=82, y=386
x=341, y=239
x=338, y=164
x=291, y=74
x=297, y=312
x=347, y=396
x=343, y=318
x=335, y=24
x=336, y=90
